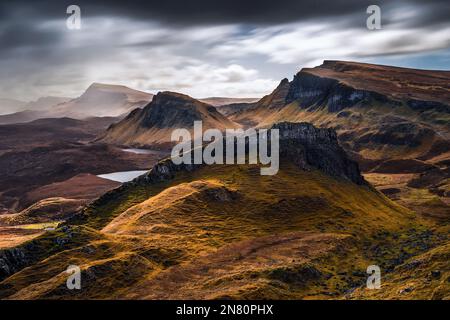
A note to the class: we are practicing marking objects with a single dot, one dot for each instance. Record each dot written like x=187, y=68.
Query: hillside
x=393, y=121
x=225, y=231
x=153, y=125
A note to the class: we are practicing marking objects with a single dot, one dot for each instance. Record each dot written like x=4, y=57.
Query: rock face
x=311, y=147
x=171, y=109
x=341, y=84
x=311, y=90
x=153, y=125
x=11, y=261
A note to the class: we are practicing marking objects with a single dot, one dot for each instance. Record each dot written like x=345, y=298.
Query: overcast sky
x=209, y=47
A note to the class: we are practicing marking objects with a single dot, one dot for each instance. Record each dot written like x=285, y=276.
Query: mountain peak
x=340, y=84
x=96, y=86
x=166, y=96
x=168, y=110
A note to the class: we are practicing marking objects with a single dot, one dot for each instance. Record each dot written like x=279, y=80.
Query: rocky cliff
x=341, y=84
x=311, y=147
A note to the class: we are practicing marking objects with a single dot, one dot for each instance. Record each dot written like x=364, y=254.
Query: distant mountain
x=222, y=101
x=154, y=124
x=230, y=109
x=33, y=110
x=21, y=117
x=46, y=103
x=8, y=106
x=101, y=100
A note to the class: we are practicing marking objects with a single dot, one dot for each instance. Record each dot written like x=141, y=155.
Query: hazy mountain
x=153, y=125
x=8, y=106
x=21, y=117
x=33, y=110
x=221, y=101
x=99, y=100
x=45, y=103
x=103, y=100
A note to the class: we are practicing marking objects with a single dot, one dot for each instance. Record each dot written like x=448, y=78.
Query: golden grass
x=192, y=222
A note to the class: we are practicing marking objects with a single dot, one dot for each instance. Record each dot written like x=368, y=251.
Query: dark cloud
x=194, y=12
x=201, y=36
x=21, y=35
x=19, y=17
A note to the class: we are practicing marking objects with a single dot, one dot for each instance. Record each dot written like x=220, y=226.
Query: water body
x=123, y=176
x=143, y=151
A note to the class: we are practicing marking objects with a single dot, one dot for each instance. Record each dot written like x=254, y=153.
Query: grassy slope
x=424, y=276
x=294, y=235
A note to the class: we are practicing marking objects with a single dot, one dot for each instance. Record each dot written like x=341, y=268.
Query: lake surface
x=123, y=176
x=143, y=151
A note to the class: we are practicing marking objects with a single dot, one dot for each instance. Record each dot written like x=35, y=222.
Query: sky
x=206, y=48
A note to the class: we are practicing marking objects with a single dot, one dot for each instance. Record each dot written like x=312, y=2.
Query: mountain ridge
x=168, y=110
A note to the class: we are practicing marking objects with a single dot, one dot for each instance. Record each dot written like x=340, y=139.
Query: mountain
x=21, y=117
x=393, y=121
x=33, y=110
x=153, y=125
x=225, y=231
x=103, y=100
x=222, y=101
x=227, y=106
x=8, y=106
x=99, y=100
x=45, y=103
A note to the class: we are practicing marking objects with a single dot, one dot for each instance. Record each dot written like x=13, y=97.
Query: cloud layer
x=204, y=48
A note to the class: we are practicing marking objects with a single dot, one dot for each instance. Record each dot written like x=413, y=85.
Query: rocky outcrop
x=314, y=91
x=153, y=125
x=311, y=147
x=11, y=261
x=421, y=106
x=171, y=109
x=341, y=84
x=302, y=143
